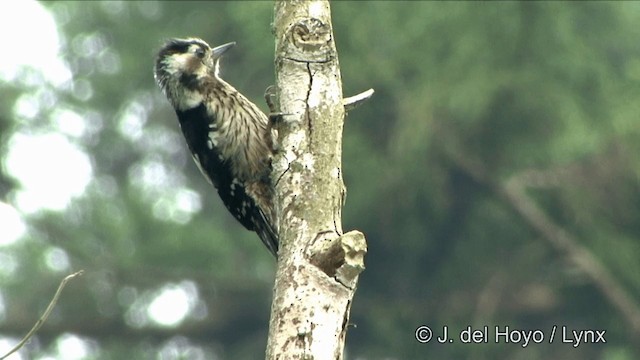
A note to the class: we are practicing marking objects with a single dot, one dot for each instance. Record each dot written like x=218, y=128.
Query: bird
x=229, y=137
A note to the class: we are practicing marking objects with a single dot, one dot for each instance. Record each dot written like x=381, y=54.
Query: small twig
x=44, y=316
x=354, y=101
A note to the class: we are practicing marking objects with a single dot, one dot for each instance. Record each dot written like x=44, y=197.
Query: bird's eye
x=199, y=52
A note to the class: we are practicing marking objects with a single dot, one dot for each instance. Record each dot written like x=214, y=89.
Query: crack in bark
x=336, y=209
x=307, y=61
x=308, y=112
x=283, y=173
x=343, y=284
x=345, y=321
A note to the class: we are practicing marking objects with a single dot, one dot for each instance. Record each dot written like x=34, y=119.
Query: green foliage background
x=511, y=87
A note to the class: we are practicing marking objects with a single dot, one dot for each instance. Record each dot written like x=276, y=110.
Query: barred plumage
x=228, y=135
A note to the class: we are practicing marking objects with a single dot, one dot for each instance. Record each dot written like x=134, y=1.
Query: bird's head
x=182, y=63
x=187, y=60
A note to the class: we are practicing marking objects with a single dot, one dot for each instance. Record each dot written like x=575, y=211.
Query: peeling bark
x=318, y=265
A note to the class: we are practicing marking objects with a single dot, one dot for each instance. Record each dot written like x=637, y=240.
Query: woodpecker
x=228, y=135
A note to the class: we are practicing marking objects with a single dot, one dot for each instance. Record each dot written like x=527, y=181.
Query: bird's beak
x=218, y=51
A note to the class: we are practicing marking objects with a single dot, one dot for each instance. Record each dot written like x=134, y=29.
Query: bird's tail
x=268, y=234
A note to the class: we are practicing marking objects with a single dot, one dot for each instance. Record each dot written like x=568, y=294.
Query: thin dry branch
x=44, y=316
x=566, y=244
x=513, y=191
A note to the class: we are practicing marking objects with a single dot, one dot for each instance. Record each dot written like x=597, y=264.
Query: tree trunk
x=318, y=265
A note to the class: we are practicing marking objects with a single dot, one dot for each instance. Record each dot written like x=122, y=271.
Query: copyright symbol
x=423, y=334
